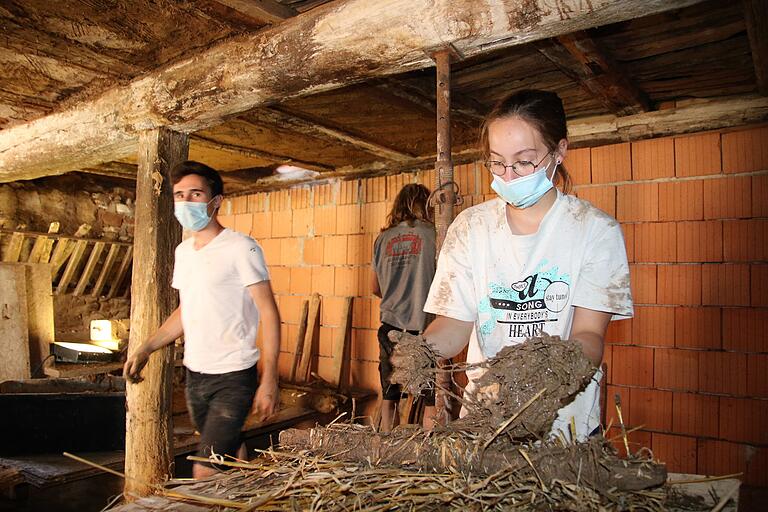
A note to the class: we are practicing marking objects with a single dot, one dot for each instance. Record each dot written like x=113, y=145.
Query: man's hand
x=267, y=398
x=134, y=364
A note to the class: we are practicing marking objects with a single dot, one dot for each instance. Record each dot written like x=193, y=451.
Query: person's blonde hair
x=410, y=205
x=544, y=111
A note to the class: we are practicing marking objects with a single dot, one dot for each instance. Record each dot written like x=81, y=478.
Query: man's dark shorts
x=392, y=391
x=218, y=405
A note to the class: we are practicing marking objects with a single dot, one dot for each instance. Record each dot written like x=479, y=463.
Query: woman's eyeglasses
x=521, y=167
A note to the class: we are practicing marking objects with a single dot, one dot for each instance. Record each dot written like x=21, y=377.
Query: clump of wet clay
x=522, y=388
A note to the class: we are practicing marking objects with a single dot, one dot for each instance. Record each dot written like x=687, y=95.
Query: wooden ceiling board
x=374, y=114
x=275, y=140
x=672, y=31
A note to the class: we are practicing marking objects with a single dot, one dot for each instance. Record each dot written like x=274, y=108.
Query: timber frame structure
x=344, y=88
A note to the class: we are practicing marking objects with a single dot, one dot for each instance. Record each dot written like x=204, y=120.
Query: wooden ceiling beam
x=337, y=44
x=694, y=116
x=756, y=19
x=583, y=60
x=258, y=153
x=270, y=11
x=306, y=124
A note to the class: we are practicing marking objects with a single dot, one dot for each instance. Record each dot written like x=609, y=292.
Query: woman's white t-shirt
x=517, y=286
x=218, y=315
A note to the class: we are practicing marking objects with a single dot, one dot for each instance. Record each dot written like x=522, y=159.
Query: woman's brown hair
x=410, y=205
x=541, y=109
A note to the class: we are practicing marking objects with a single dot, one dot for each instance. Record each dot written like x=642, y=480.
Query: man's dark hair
x=212, y=176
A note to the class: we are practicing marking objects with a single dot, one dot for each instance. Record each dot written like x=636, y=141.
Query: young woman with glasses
x=535, y=259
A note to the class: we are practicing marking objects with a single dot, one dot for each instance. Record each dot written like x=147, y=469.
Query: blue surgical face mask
x=526, y=191
x=192, y=216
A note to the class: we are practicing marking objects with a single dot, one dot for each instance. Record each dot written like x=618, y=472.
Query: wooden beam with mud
x=270, y=11
x=337, y=44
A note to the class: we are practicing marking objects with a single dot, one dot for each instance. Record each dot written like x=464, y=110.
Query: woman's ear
x=562, y=149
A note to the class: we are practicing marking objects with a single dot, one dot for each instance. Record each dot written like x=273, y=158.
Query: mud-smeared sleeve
x=604, y=278
x=452, y=293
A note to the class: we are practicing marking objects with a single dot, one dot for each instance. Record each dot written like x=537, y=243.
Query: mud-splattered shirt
x=517, y=286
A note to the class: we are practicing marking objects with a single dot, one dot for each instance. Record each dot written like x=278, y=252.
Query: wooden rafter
x=270, y=11
x=583, y=60
x=307, y=124
x=113, y=170
x=105, y=270
x=257, y=153
x=756, y=19
x=323, y=49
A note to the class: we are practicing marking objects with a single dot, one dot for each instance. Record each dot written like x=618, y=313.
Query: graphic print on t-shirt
x=522, y=309
x=402, y=247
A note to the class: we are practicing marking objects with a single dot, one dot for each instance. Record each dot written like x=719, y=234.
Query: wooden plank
x=105, y=269
x=81, y=370
x=13, y=251
x=41, y=250
x=14, y=341
x=305, y=124
x=93, y=260
x=756, y=19
x=270, y=11
x=78, y=251
x=40, y=316
x=121, y=272
x=313, y=329
x=300, y=340
x=149, y=428
x=65, y=247
x=257, y=153
x=323, y=49
x=341, y=346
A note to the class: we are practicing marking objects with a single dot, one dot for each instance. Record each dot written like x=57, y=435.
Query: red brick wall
x=691, y=367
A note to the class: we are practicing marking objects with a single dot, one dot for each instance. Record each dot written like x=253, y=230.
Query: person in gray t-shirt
x=403, y=268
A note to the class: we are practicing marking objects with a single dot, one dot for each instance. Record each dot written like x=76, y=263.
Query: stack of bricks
x=691, y=367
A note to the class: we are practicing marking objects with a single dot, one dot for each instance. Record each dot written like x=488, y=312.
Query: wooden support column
x=444, y=192
x=149, y=432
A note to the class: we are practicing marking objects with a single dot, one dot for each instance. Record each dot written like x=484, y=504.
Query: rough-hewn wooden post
x=445, y=192
x=149, y=432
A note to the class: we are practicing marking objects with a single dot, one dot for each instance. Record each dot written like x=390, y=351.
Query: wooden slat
x=41, y=250
x=313, y=327
x=270, y=11
x=65, y=247
x=300, y=340
x=74, y=261
x=341, y=345
x=105, y=270
x=93, y=260
x=756, y=19
x=121, y=271
x=14, y=248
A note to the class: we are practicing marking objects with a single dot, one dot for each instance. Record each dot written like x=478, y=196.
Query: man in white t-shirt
x=224, y=291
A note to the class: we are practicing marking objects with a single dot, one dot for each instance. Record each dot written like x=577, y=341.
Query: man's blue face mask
x=192, y=216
